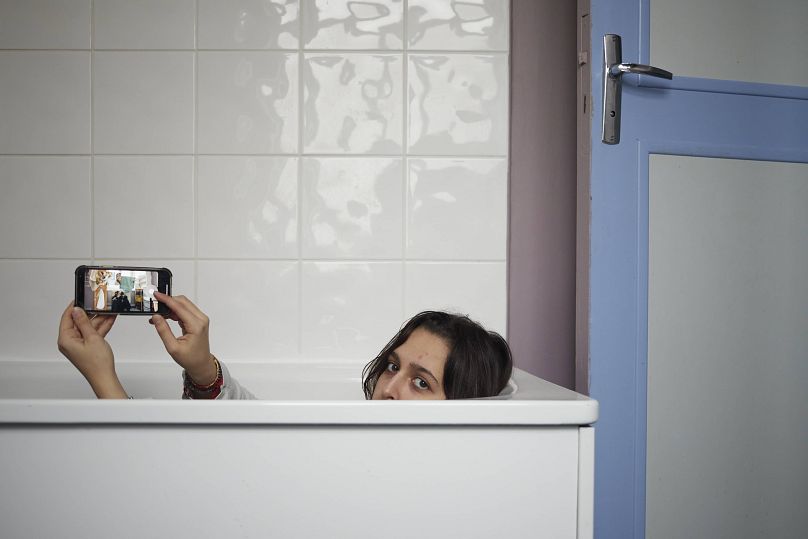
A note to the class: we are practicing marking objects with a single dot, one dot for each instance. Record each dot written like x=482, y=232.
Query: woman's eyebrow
x=421, y=369
x=417, y=367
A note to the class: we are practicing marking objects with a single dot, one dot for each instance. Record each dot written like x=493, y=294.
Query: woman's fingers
x=67, y=329
x=82, y=323
x=66, y=322
x=190, y=317
x=179, y=308
x=103, y=324
x=188, y=304
x=165, y=333
x=192, y=348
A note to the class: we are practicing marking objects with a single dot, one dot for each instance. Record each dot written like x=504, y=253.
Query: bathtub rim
x=536, y=402
x=173, y=412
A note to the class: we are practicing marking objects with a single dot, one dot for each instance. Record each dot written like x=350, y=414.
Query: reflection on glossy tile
x=247, y=102
x=144, y=207
x=143, y=102
x=457, y=209
x=352, y=103
x=132, y=337
x=458, y=104
x=253, y=308
x=248, y=24
x=249, y=206
x=58, y=188
x=145, y=24
x=453, y=25
x=44, y=102
x=182, y=144
x=476, y=289
x=23, y=24
x=351, y=208
x=350, y=310
x=346, y=24
x=35, y=293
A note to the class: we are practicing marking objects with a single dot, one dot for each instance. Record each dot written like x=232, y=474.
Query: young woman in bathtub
x=435, y=355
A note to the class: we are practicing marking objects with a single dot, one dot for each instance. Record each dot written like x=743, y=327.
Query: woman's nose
x=392, y=389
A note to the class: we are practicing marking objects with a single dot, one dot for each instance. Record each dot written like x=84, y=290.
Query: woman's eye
x=391, y=367
x=420, y=383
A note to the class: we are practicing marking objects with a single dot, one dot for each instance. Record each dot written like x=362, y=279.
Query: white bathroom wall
x=313, y=172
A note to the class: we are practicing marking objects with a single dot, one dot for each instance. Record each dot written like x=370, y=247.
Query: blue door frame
x=686, y=116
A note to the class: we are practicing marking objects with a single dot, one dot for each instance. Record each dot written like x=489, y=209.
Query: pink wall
x=542, y=192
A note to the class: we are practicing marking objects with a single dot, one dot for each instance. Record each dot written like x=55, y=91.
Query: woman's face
x=414, y=369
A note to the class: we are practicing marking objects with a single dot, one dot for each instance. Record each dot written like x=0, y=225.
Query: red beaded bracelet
x=192, y=390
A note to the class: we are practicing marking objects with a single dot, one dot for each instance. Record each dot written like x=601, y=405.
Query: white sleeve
x=231, y=389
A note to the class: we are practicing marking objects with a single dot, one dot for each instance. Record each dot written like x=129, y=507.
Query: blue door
x=706, y=114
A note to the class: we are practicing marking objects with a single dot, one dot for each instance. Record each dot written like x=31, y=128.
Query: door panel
x=727, y=319
x=745, y=40
x=735, y=120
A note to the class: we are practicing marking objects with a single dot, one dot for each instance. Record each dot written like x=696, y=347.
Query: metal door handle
x=613, y=69
x=640, y=69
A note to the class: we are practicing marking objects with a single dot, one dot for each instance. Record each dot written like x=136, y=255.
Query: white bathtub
x=314, y=461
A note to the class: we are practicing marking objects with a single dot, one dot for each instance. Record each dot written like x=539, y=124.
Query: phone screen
x=121, y=290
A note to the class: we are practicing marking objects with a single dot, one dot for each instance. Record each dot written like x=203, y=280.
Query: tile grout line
x=92, y=132
x=379, y=261
x=194, y=134
x=300, y=139
x=374, y=52
x=405, y=79
x=474, y=157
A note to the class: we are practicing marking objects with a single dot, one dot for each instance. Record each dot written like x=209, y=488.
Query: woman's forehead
x=423, y=346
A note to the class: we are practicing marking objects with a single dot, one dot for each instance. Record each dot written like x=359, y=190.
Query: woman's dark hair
x=479, y=363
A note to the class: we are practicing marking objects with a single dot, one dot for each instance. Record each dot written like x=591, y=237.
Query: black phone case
x=79, y=285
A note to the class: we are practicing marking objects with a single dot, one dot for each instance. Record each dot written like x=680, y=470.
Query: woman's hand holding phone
x=81, y=340
x=191, y=350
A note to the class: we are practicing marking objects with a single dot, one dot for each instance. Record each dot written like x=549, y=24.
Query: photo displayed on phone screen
x=120, y=291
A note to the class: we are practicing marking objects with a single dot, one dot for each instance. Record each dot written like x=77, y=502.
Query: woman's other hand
x=81, y=340
x=191, y=350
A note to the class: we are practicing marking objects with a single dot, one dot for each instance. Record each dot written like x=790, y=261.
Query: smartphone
x=121, y=289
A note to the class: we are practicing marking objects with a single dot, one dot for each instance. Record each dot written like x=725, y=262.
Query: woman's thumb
x=83, y=323
x=165, y=333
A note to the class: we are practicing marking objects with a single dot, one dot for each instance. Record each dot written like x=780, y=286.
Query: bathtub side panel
x=289, y=481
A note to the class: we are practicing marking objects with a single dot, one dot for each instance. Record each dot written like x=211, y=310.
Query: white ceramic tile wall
x=248, y=102
x=45, y=102
x=145, y=24
x=143, y=102
x=249, y=206
x=351, y=207
x=143, y=206
x=312, y=171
